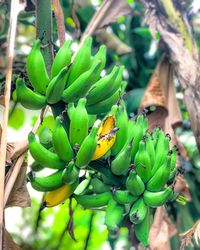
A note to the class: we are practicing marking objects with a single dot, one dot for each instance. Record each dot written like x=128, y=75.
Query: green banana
x=145, y=125
x=62, y=58
x=120, y=164
x=70, y=109
x=42, y=155
x=143, y=162
x=162, y=149
x=98, y=186
x=61, y=141
x=92, y=201
x=105, y=105
x=88, y=147
x=150, y=148
x=122, y=133
x=81, y=85
x=138, y=211
x=78, y=128
x=36, y=167
x=142, y=229
x=82, y=61
x=100, y=56
x=47, y=183
x=160, y=178
x=45, y=137
x=97, y=92
x=36, y=69
x=124, y=197
x=155, y=136
x=134, y=183
x=56, y=86
x=70, y=173
x=92, y=119
x=172, y=175
x=114, y=215
x=137, y=134
x=27, y=97
x=173, y=158
x=155, y=199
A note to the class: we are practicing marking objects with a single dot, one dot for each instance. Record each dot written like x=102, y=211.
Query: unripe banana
x=142, y=229
x=58, y=196
x=27, y=97
x=173, y=158
x=145, y=125
x=78, y=128
x=56, y=86
x=92, y=201
x=61, y=141
x=155, y=136
x=36, y=167
x=160, y=178
x=82, y=61
x=124, y=197
x=36, y=69
x=134, y=184
x=62, y=58
x=88, y=147
x=105, y=105
x=70, y=109
x=143, y=162
x=92, y=119
x=97, y=92
x=122, y=133
x=120, y=164
x=45, y=137
x=46, y=183
x=150, y=149
x=81, y=85
x=104, y=144
x=156, y=199
x=114, y=215
x=98, y=186
x=138, y=211
x=42, y=155
x=70, y=173
x=137, y=135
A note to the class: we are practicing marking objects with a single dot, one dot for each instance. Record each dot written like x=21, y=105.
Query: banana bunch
x=69, y=81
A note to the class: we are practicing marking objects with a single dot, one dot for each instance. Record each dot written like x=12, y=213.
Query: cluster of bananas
x=129, y=170
x=70, y=82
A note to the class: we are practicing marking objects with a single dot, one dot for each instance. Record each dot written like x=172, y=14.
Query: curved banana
x=42, y=155
x=61, y=142
x=98, y=93
x=28, y=98
x=88, y=147
x=138, y=211
x=114, y=215
x=104, y=144
x=78, y=128
x=150, y=149
x=94, y=200
x=173, y=158
x=45, y=137
x=56, y=86
x=134, y=183
x=36, y=167
x=98, y=186
x=156, y=199
x=82, y=61
x=36, y=69
x=124, y=197
x=107, y=125
x=70, y=173
x=46, y=183
x=62, y=58
x=70, y=109
x=58, y=196
x=143, y=162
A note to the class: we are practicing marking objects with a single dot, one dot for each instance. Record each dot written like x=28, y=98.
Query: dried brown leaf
x=181, y=186
x=8, y=243
x=113, y=42
x=19, y=195
x=15, y=149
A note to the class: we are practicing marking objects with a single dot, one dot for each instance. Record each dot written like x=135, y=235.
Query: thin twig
x=16, y=7
x=60, y=23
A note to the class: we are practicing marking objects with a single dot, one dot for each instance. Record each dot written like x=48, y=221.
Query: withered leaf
x=181, y=186
x=15, y=149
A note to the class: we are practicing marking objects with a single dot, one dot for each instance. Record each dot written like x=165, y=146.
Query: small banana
x=62, y=58
x=58, y=196
x=42, y=155
x=36, y=69
x=70, y=173
x=78, y=128
x=45, y=137
x=150, y=149
x=98, y=186
x=28, y=98
x=134, y=183
x=124, y=197
x=36, y=167
x=94, y=200
x=61, y=141
x=138, y=211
